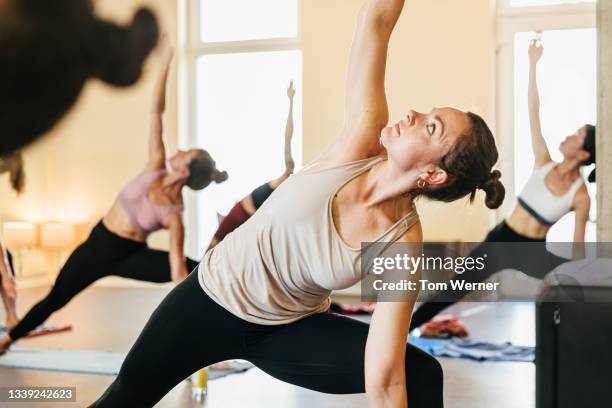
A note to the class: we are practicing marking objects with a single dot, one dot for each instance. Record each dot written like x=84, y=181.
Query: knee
x=424, y=376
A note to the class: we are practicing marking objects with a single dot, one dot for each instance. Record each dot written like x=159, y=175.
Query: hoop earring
x=421, y=183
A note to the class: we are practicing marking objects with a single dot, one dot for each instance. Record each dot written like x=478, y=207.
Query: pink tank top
x=146, y=215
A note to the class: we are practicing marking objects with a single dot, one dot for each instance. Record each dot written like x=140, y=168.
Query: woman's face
x=572, y=146
x=179, y=162
x=422, y=139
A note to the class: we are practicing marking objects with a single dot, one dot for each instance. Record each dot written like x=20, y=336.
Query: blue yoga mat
x=476, y=350
x=88, y=362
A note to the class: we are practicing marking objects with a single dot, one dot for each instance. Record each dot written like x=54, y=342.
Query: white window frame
x=511, y=20
x=190, y=48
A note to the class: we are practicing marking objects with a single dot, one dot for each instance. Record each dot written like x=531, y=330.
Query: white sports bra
x=540, y=202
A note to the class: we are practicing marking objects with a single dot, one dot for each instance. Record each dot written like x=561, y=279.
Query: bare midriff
x=118, y=221
x=525, y=224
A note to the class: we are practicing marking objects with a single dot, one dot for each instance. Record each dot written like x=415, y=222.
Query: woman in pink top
x=150, y=202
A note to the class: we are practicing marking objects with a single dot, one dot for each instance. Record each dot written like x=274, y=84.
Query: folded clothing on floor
x=484, y=351
x=443, y=327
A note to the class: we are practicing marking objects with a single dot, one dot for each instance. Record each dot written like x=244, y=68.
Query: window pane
x=235, y=20
x=242, y=108
x=527, y=3
x=568, y=96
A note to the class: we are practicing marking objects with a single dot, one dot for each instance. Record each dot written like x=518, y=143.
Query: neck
x=569, y=168
x=385, y=183
x=172, y=186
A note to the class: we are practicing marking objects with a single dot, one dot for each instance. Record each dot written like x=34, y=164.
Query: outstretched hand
x=290, y=90
x=535, y=51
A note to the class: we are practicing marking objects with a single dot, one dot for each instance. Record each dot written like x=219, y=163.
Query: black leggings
x=322, y=352
x=534, y=261
x=104, y=253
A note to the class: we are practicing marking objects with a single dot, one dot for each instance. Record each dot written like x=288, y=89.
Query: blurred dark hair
x=49, y=48
x=13, y=164
x=589, y=146
x=469, y=164
x=203, y=170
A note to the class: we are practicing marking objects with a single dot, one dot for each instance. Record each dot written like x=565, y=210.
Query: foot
x=5, y=343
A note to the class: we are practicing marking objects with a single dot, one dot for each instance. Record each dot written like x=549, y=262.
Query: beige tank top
x=283, y=262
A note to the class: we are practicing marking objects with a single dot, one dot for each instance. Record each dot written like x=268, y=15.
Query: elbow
x=385, y=383
x=392, y=393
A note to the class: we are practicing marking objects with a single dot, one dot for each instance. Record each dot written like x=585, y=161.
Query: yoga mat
x=89, y=362
x=427, y=344
x=474, y=350
x=42, y=330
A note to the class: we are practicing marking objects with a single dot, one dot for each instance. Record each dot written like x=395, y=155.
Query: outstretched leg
x=186, y=332
x=325, y=353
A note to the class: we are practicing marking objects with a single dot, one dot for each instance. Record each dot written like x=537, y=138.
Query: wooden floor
x=111, y=318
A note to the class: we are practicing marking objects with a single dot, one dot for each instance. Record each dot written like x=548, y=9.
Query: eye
x=431, y=128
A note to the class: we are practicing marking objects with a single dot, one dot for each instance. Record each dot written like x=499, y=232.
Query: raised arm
x=366, y=111
x=540, y=150
x=178, y=268
x=157, y=149
x=289, y=162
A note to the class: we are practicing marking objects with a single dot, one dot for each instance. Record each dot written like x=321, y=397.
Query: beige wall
x=440, y=55
x=75, y=173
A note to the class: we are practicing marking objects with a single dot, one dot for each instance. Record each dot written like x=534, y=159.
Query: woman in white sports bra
x=552, y=191
x=262, y=294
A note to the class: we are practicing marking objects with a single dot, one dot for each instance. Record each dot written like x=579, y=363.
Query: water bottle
x=199, y=384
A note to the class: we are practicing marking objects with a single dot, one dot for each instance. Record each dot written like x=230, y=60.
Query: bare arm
x=366, y=112
x=540, y=150
x=385, y=356
x=289, y=162
x=582, y=205
x=178, y=269
x=6, y=274
x=157, y=149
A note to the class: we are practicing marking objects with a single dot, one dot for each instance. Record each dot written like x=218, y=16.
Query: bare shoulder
x=338, y=154
x=582, y=198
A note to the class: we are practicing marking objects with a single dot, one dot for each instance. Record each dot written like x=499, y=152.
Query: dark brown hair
x=589, y=146
x=469, y=164
x=13, y=164
x=203, y=170
x=49, y=48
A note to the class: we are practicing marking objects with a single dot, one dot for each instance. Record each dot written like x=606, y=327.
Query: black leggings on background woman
x=532, y=259
x=103, y=254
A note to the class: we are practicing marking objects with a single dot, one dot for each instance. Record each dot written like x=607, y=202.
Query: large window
x=567, y=85
x=240, y=65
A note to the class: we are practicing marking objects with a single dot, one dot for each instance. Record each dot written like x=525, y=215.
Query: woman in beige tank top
x=262, y=293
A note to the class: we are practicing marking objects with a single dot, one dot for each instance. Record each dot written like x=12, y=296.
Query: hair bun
x=219, y=176
x=118, y=53
x=494, y=190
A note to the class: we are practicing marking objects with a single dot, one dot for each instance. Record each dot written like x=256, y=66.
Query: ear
x=583, y=155
x=435, y=176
